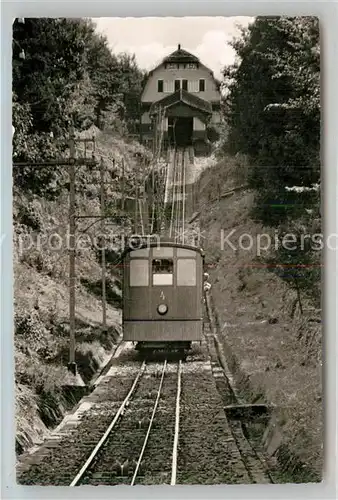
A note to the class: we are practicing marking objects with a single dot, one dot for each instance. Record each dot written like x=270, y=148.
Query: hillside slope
x=274, y=350
x=41, y=269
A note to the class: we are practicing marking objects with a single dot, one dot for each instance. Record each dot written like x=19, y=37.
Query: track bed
x=140, y=448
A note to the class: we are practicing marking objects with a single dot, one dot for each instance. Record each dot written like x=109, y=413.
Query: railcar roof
x=164, y=244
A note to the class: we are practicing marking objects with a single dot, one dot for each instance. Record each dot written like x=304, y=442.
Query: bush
x=30, y=215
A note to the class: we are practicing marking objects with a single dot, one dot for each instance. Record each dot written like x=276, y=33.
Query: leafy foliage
x=68, y=77
x=54, y=64
x=272, y=109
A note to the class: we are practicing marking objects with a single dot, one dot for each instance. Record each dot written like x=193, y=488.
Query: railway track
x=147, y=427
x=123, y=454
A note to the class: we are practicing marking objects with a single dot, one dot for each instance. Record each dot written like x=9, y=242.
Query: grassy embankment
x=274, y=350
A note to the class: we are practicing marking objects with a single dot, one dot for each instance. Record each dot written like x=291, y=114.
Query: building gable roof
x=180, y=55
x=183, y=56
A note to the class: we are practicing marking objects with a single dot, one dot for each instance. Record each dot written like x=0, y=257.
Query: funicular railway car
x=163, y=296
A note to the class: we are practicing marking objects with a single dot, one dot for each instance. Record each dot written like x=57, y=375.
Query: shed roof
x=181, y=96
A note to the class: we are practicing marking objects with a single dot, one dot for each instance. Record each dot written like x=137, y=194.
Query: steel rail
x=183, y=194
x=150, y=425
x=181, y=200
x=109, y=429
x=179, y=194
x=173, y=194
x=178, y=186
x=168, y=175
x=177, y=426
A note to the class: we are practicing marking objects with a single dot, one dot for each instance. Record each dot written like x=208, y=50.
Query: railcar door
x=188, y=284
x=175, y=287
x=162, y=284
x=136, y=301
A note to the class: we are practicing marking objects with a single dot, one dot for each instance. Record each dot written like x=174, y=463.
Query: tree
x=273, y=110
x=69, y=77
x=54, y=65
x=117, y=81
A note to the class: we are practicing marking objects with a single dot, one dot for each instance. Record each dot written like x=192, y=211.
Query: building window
x=172, y=66
x=162, y=271
x=160, y=86
x=185, y=84
x=202, y=85
x=193, y=86
x=177, y=85
x=168, y=86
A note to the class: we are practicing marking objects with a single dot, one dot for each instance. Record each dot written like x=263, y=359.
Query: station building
x=181, y=102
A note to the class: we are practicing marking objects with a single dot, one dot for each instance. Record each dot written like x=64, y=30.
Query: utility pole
x=72, y=364
x=71, y=164
x=123, y=185
x=103, y=250
x=122, y=203
x=136, y=208
x=72, y=244
x=141, y=204
x=183, y=196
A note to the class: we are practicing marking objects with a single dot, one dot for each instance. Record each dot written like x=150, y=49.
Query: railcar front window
x=162, y=270
x=186, y=272
x=139, y=275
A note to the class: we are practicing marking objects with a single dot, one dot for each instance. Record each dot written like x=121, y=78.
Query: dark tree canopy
x=272, y=108
x=68, y=77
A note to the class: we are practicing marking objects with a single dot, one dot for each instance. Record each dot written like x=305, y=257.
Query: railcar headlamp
x=162, y=308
